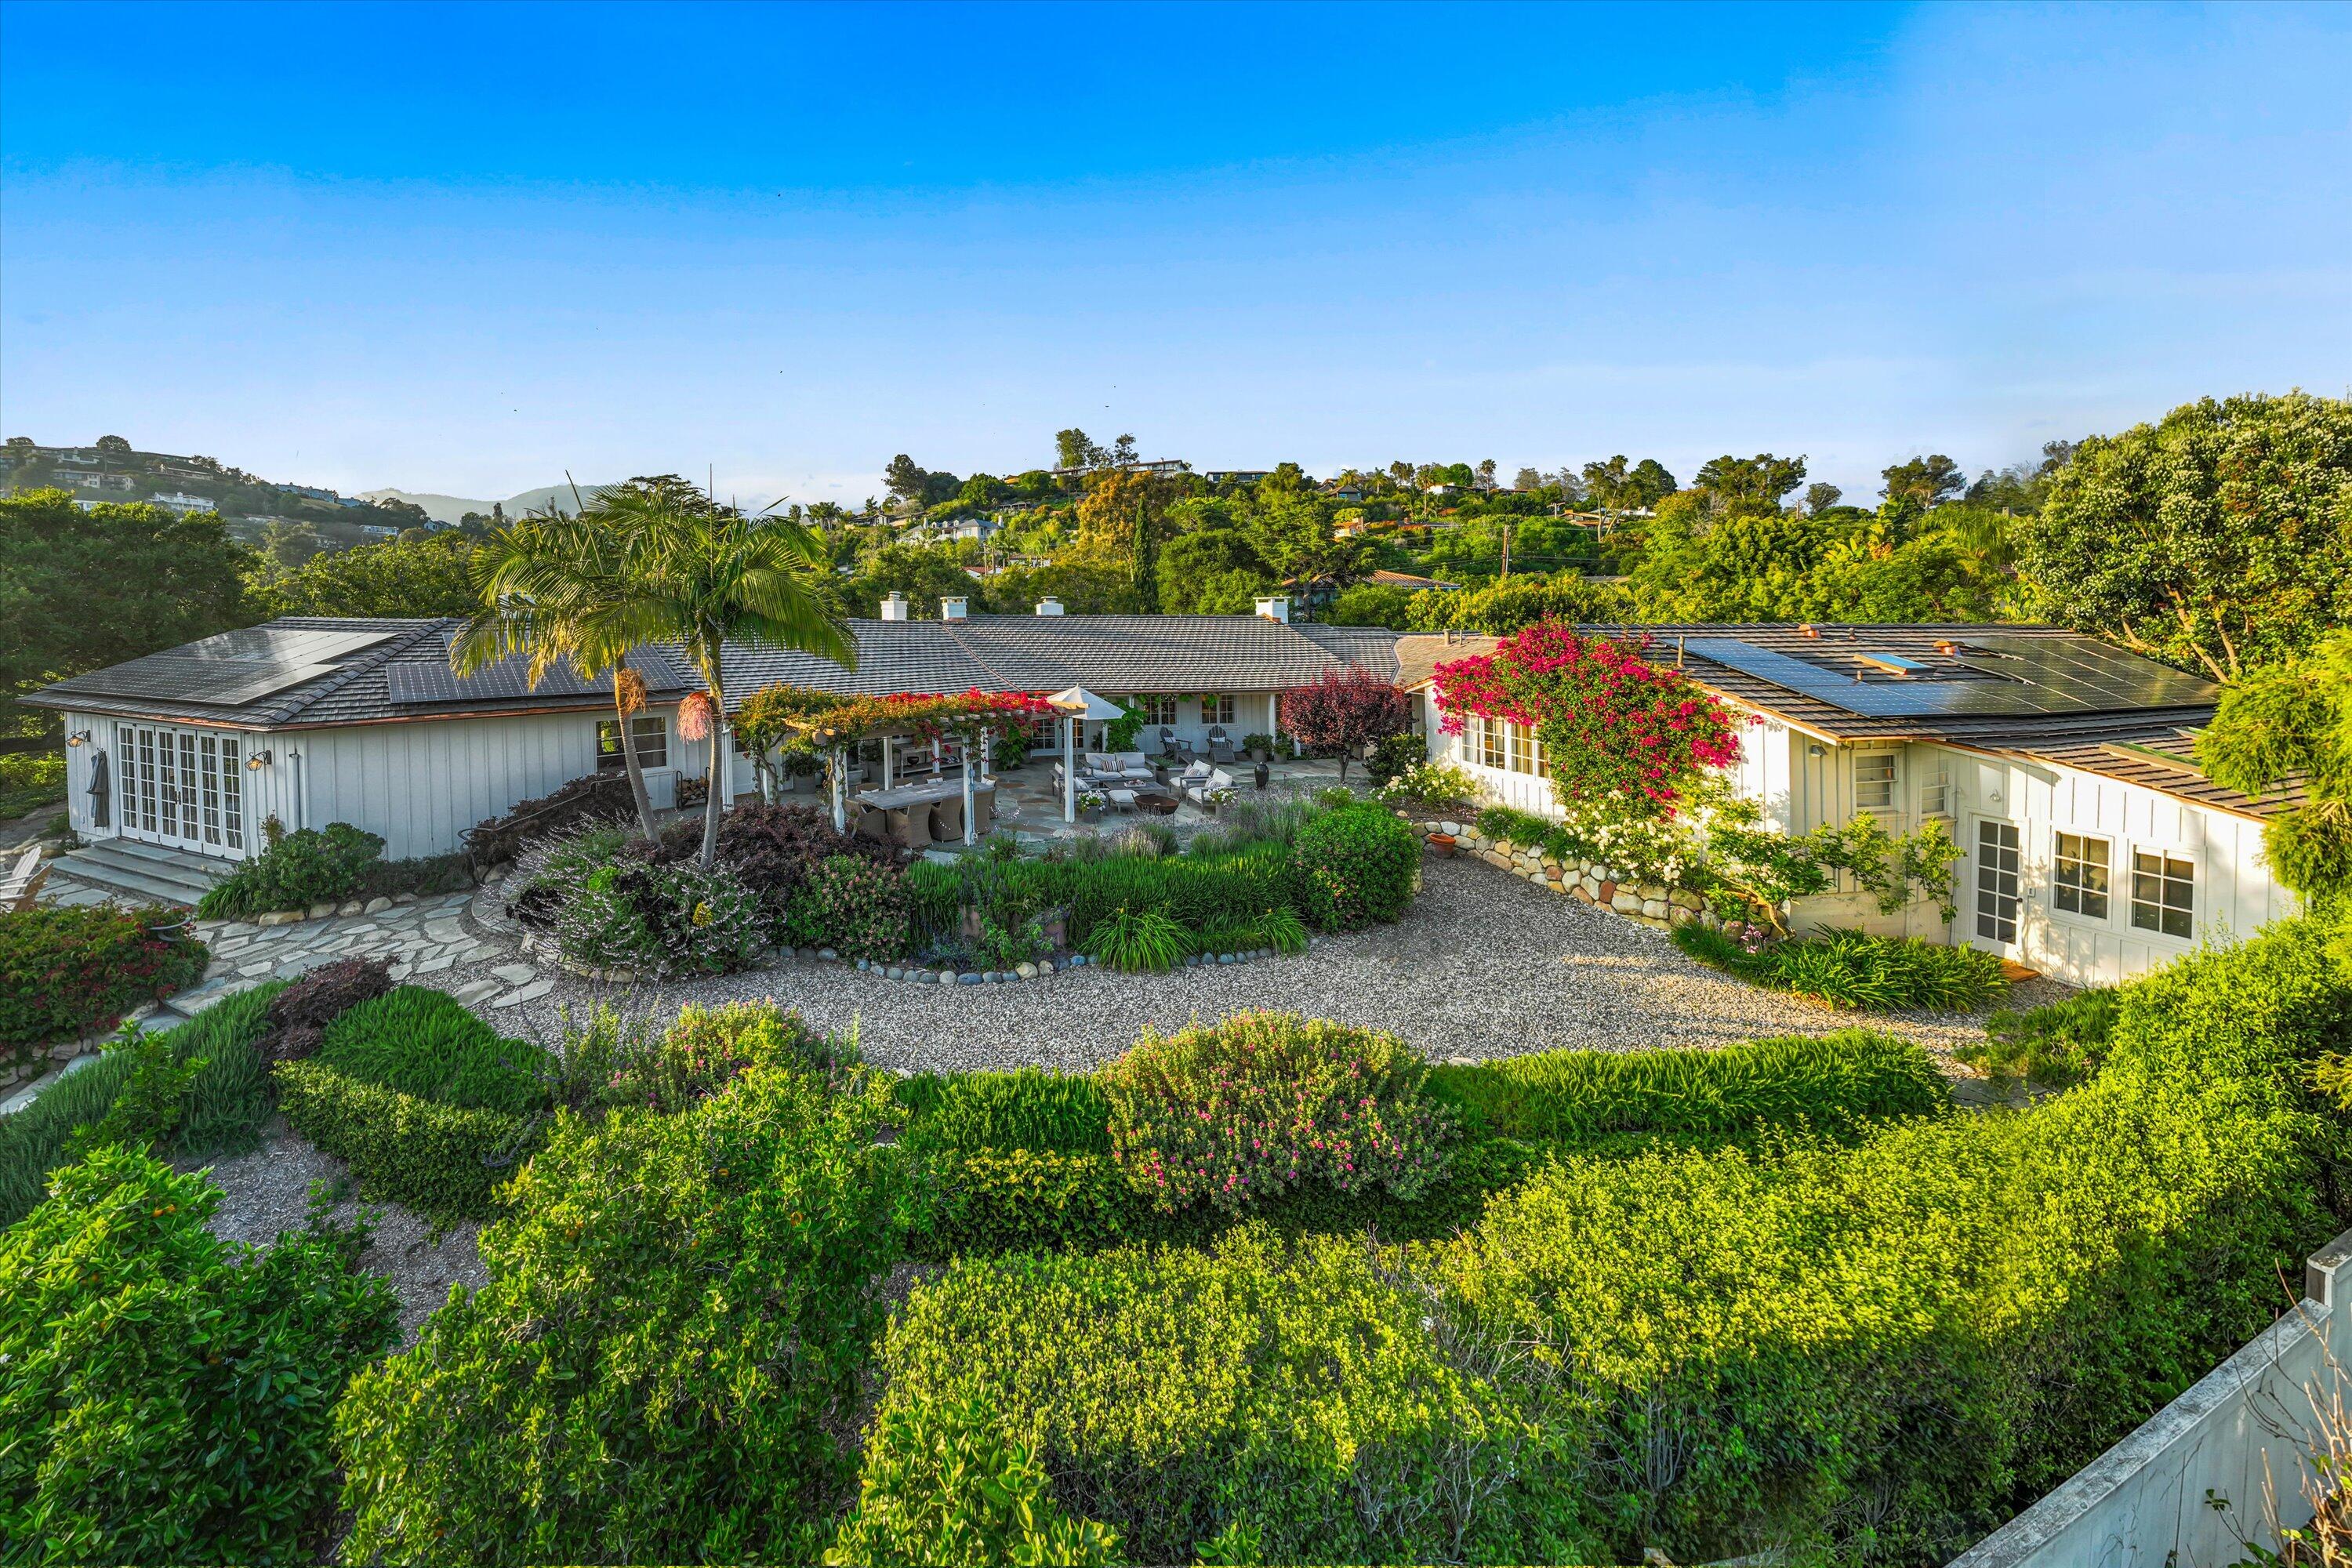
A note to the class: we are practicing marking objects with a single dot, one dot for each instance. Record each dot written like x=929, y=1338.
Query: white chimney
x=1049, y=605
x=951, y=607
x=1276, y=608
x=894, y=607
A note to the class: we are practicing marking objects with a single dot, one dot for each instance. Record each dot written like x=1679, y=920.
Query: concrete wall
x=2147, y=1501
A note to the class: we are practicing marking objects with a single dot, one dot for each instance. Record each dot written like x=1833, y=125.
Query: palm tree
x=698, y=574
x=550, y=586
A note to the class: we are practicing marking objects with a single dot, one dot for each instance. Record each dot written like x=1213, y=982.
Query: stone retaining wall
x=1652, y=903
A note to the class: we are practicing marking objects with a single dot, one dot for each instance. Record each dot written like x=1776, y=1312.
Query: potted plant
x=1091, y=804
x=1214, y=799
x=1259, y=747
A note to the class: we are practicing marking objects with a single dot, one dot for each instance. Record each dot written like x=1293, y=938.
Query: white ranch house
x=2093, y=847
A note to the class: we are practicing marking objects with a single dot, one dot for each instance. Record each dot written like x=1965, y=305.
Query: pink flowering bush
x=1616, y=729
x=1264, y=1102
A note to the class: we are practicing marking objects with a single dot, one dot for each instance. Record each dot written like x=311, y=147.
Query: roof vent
x=1049, y=605
x=894, y=607
x=1276, y=608
x=1808, y=630
x=951, y=607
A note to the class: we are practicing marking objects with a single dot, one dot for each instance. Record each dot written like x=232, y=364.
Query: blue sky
x=466, y=249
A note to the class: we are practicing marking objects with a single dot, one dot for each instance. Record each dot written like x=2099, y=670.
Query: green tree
x=551, y=590
x=81, y=590
x=1924, y=481
x=1820, y=496
x=114, y=446
x=1372, y=604
x=1123, y=519
x=1196, y=571
x=2217, y=539
x=1073, y=448
x=415, y=575
x=1083, y=590
x=903, y=478
x=1762, y=479
x=2293, y=720
x=925, y=574
x=1755, y=563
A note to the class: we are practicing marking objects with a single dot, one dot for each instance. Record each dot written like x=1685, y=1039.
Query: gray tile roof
x=1113, y=654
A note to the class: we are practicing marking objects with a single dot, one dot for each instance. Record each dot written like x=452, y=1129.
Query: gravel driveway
x=1484, y=966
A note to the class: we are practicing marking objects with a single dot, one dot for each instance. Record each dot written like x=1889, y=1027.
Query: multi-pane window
x=1156, y=708
x=1526, y=752
x=1873, y=780
x=2078, y=866
x=1217, y=708
x=652, y=742
x=1491, y=740
x=1936, y=793
x=2164, y=894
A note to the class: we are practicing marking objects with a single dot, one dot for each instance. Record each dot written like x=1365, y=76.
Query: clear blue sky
x=466, y=249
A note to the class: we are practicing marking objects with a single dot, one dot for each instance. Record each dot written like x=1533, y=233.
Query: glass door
x=184, y=788
x=1999, y=867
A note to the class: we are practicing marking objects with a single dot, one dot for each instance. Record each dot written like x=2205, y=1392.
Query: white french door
x=181, y=787
x=1999, y=894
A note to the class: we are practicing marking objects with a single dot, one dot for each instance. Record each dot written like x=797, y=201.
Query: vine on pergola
x=824, y=721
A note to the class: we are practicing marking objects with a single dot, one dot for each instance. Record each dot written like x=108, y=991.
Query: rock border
x=327, y=910
x=1650, y=903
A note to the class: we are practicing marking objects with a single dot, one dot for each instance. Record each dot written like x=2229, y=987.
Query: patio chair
x=1221, y=746
x=1164, y=742
x=983, y=810
x=946, y=818
x=22, y=885
x=1198, y=790
x=910, y=825
x=873, y=823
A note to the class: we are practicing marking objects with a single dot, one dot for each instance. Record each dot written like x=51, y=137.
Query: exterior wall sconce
x=1817, y=749
x=78, y=738
x=256, y=762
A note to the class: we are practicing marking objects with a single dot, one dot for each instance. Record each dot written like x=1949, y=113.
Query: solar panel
x=432, y=680
x=1993, y=675
x=231, y=668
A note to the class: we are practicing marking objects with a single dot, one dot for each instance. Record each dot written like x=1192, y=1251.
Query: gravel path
x=269, y=1191
x=1484, y=966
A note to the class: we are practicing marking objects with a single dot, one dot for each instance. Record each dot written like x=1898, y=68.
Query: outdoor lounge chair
x=1221, y=746
x=1198, y=790
x=1164, y=741
x=947, y=819
x=22, y=884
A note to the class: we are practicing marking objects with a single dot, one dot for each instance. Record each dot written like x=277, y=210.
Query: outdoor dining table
x=920, y=798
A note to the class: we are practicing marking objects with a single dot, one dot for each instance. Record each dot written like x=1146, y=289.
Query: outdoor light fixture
x=256, y=762
x=78, y=738
x=1817, y=750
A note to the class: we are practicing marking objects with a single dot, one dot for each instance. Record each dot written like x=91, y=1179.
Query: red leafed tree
x=1344, y=710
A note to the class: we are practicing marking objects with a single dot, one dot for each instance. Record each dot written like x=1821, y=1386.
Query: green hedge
x=168, y=1393
x=1020, y=1200
x=1355, y=865
x=1854, y=969
x=1867, y=1351
x=425, y=1043
x=442, y=1160
x=1833, y=1081
x=1051, y=1112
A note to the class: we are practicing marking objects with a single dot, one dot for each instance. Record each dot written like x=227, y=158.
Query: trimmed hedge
x=1016, y=1200
x=446, y=1161
x=67, y=973
x=297, y=869
x=425, y=1043
x=1355, y=865
x=1833, y=1081
x=168, y=1393
x=1049, y=1113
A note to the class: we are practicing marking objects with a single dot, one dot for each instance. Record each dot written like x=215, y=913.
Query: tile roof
x=1110, y=654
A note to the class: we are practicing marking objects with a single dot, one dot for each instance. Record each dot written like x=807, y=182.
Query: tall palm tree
x=550, y=586
x=698, y=574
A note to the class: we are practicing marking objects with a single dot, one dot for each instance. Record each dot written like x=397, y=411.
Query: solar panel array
x=229, y=669
x=1991, y=676
x=431, y=681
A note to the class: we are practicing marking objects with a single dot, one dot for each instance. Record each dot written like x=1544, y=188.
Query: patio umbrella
x=1076, y=706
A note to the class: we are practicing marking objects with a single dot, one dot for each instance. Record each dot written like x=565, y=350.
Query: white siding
x=422, y=784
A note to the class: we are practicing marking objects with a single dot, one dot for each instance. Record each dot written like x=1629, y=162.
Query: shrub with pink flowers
x=1235, y=1113
x=1620, y=733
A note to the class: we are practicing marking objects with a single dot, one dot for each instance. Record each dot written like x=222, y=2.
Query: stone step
x=146, y=872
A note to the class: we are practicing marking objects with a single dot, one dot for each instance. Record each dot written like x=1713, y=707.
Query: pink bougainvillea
x=1614, y=726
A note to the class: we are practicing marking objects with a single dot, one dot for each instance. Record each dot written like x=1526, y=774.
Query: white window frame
x=1886, y=794
x=1526, y=750
x=1159, y=707
x=2058, y=890
x=1492, y=748
x=1935, y=791
x=652, y=744
x=2131, y=899
x=1219, y=707
x=1977, y=890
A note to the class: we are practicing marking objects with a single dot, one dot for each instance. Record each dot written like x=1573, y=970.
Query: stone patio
x=422, y=937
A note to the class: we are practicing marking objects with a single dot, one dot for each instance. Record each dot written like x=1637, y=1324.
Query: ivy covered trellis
x=823, y=726
x=1636, y=751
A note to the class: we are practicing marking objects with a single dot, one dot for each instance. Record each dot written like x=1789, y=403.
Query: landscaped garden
x=1263, y=1287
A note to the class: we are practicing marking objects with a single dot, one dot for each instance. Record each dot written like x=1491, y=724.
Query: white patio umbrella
x=1076, y=706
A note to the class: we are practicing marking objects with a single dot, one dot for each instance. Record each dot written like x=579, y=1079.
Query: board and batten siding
x=420, y=785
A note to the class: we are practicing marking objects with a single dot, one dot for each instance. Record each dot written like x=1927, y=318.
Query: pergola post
x=1069, y=770
x=840, y=806
x=971, y=833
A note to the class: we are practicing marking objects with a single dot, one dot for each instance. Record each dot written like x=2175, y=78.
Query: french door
x=182, y=787
x=1999, y=867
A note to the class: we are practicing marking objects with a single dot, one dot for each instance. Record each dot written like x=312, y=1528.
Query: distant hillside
x=453, y=508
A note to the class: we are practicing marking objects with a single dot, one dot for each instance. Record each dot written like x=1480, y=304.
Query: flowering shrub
x=1617, y=730
x=709, y=1048
x=1264, y=1101
x=853, y=906
x=675, y=919
x=309, y=866
x=70, y=972
x=1433, y=783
